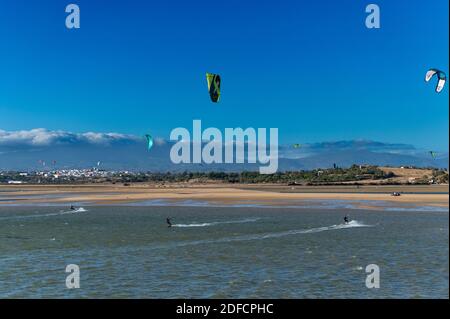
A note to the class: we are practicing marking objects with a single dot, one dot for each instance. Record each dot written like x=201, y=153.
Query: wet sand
x=226, y=194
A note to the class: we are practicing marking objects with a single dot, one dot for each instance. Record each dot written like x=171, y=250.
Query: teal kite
x=149, y=141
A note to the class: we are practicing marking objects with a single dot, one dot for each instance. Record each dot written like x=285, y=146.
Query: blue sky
x=312, y=69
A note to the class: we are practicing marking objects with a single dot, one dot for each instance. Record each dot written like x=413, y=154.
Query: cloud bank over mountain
x=27, y=150
x=40, y=137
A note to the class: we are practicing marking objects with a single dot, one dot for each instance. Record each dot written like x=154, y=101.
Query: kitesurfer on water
x=346, y=219
x=169, y=223
x=72, y=207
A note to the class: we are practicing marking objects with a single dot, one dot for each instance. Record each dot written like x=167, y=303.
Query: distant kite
x=213, y=86
x=441, y=78
x=297, y=146
x=149, y=141
x=433, y=154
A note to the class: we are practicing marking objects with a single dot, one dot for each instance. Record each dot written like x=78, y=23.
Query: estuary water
x=222, y=252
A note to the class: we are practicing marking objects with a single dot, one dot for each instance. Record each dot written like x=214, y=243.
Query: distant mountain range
x=42, y=149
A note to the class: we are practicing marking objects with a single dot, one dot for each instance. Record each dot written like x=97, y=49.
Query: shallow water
x=222, y=252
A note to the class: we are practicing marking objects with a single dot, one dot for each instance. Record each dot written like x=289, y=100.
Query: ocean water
x=222, y=252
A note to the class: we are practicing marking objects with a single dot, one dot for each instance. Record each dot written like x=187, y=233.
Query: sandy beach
x=224, y=194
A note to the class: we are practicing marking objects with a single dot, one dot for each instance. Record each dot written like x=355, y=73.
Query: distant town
x=356, y=174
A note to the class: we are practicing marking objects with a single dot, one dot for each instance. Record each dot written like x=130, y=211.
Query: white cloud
x=43, y=137
x=159, y=141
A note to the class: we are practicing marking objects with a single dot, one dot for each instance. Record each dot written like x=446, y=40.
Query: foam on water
x=351, y=224
x=247, y=220
x=78, y=210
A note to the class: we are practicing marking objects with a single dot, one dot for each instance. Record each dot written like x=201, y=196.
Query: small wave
x=247, y=220
x=78, y=210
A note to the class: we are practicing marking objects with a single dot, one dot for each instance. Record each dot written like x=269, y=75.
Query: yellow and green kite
x=213, y=86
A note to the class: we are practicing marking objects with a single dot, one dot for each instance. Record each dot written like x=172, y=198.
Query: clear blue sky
x=310, y=68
